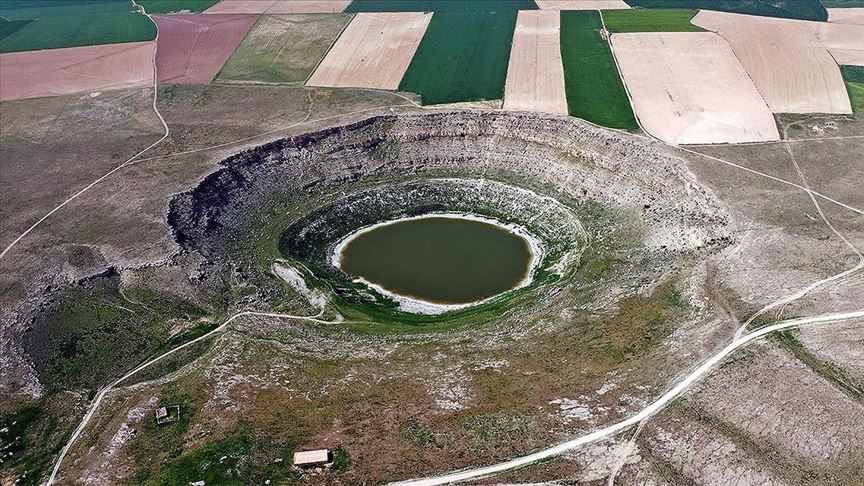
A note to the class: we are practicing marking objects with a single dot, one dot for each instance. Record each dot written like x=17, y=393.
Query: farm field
x=688, y=87
x=193, y=48
x=373, y=52
x=787, y=59
x=168, y=6
x=38, y=9
x=283, y=49
x=594, y=88
x=9, y=27
x=854, y=16
x=79, y=30
x=650, y=20
x=854, y=78
x=581, y=4
x=439, y=5
x=535, y=76
x=792, y=9
x=275, y=7
x=842, y=3
x=75, y=69
x=462, y=57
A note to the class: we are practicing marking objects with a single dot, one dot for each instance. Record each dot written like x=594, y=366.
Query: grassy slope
x=854, y=77
x=463, y=57
x=439, y=5
x=168, y=6
x=80, y=30
x=793, y=9
x=283, y=48
x=650, y=20
x=594, y=88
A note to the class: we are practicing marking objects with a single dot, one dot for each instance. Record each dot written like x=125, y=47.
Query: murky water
x=440, y=259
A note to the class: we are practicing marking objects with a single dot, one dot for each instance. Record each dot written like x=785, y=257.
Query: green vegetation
x=75, y=344
x=854, y=77
x=463, y=57
x=39, y=9
x=283, y=49
x=32, y=435
x=80, y=30
x=594, y=88
x=9, y=27
x=439, y=5
x=833, y=374
x=792, y=9
x=645, y=20
x=842, y=3
x=169, y=6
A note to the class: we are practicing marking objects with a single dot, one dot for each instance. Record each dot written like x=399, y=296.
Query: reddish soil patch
x=193, y=48
x=53, y=72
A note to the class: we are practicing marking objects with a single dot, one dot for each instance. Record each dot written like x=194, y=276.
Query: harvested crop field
x=535, y=76
x=373, y=52
x=853, y=16
x=193, y=48
x=582, y=4
x=688, y=87
x=276, y=7
x=75, y=70
x=594, y=89
x=440, y=5
x=463, y=57
x=787, y=59
x=283, y=49
x=650, y=20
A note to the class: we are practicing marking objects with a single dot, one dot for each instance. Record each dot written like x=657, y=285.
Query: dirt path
x=647, y=412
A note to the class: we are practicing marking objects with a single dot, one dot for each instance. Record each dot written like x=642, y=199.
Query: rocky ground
x=681, y=250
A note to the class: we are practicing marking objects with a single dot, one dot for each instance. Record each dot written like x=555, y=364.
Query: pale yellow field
x=853, y=16
x=688, y=87
x=788, y=60
x=279, y=6
x=581, y=4
x=535, y=75
x=373, y=52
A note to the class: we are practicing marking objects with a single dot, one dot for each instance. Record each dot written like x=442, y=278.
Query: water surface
x=440, y=259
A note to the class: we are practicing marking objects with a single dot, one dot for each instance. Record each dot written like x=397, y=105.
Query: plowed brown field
x=279, y=6
x=581, y=4
x=193, y=48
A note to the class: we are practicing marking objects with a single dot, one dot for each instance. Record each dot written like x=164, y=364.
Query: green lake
x=439, y=259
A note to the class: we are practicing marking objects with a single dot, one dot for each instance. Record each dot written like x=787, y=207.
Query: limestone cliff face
x=569, y=157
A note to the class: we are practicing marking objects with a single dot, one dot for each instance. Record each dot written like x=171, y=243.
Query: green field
x=9, y=27
x=80, y=30
x=594, y=88
x=792, y=9
x=283, y=49
x=650, y=20
x=168, y=6
x=439, y=5
x=37, y=9
x=842, y=3
x=854, y=77
x=463, y=57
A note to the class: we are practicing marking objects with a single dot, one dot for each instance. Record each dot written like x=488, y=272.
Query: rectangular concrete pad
x=70, y=70
x=788, y=64
x=688, y=87
x=278, y=6
x=193, y=47
x=374, y=51
x=582, y=4
x=535, y=74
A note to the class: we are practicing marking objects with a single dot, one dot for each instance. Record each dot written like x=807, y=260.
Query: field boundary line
x=330, y=47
